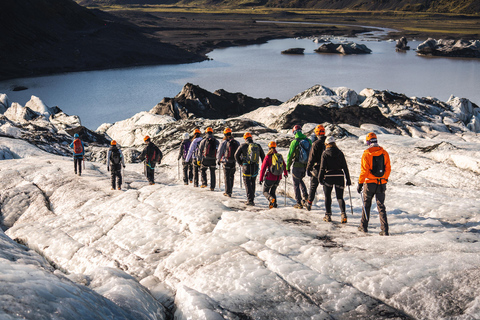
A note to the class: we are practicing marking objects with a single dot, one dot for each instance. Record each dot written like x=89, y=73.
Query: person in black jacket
x=152, y=155
x=115, y=161
x=333, y=173
x=313, y=164
x=207, y=151
x=248, y=156
x=182, y=154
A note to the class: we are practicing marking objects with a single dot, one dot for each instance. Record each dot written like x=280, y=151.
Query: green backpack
x=277, y=164
x=253, y=153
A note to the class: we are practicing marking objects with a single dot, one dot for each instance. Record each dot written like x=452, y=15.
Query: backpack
x=303, y=151
x=77, y=146
x=210, y=151
x=186, y=146
x=157, y=155
x=378, y=166
x=277, y=164
x=230, y=149
x=115, y=156
x=253, y=153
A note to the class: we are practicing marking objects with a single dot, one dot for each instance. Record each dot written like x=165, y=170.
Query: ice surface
x=173, y=251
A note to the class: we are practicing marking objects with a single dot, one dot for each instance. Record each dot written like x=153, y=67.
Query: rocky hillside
x=455, y=6
x=44, y=36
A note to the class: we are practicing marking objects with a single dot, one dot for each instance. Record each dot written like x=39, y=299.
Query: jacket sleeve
x=314, y=156
x=364, y=169
x=291, y=153
x=71, y=145
x=388, y=167
x=83, y=148
x=345, y=169
x=160, y=153
x=262, y=154
x=180, y=150
x=321, y=172
x=192, y=148
x=141, y=157
x=264, y=168
x=238, y=154
x=109, y=153
x=221, y=150
x=285, y=173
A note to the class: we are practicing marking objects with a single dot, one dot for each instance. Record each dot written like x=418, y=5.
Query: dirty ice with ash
x=73, y=249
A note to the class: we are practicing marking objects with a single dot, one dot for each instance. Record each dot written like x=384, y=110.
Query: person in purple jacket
x=272, y=168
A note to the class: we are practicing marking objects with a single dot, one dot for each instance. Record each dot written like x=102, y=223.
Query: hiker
x=298, y=157
x=182, y=154
x=273, y=166
x=208, y=153
x=226, y=156
x=374, y=173
x=78, y=153
x=313, y=164
x=115, y=162
x=193, y=155
x=152, y=155
x=333, y=173
x=248, y=156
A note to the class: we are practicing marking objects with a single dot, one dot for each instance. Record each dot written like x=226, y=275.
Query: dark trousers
x=377, y=190
x=187, y=172
x=250, y=187
x=327, y=190
x=229, y=174
x=196, y=169
x=314, y=182
x=298, y=185
x=212, y=176
x=116, y=176
x=77, y=164
x=150, y=173
x=270, y=188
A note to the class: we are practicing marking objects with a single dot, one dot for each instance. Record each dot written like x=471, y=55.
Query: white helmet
x=186, y=135
x=330, y=140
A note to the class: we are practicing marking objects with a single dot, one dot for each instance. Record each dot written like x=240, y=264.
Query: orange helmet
x=320, y=130
x=146, y=138
x=197, y=131
x=113, y=143
x=247, y=135
x=371, y=136
x=227, y=130
x=209, y=129
x=272, y=144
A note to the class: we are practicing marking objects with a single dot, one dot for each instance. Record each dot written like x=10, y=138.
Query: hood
x=300, y=135
x=375, y=151
x=332, y=151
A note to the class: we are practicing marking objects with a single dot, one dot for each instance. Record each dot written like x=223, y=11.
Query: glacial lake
x=256, y=70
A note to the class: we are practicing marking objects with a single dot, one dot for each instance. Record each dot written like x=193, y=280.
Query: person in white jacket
x=115, y=161
x=193, y=155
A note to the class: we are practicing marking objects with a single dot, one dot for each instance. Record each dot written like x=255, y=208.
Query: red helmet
x=296, y=128
x=320, y=130
x=272, y=144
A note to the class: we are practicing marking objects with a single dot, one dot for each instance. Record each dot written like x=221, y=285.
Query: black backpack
x=230, y=149
x=210, y=151
x=378, y=166
x=115, y=157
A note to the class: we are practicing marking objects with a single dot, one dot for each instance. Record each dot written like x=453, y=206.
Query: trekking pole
x=83, y=161
x=350, y=193
x=178, y=169
x=240, y=175
x=220, y=176
x=285, y=194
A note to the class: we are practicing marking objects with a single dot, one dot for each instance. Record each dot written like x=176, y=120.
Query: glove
x=123, y=166
x=285, y=175
x=218, y=163
x=349, y=182
x=360, y=187
x=309, y=173
x=108, y=168
x=198, y=163
x=322, y=182
x=288, y=170
x=260, y=182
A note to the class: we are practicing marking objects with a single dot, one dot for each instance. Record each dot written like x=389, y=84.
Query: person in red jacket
x=273, y=166
x=372, y=181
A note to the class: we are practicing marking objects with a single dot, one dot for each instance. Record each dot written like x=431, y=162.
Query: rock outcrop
x=402, y=44
x=343, y=48
x=450, y=48
x=294, y=51
x=194, y=101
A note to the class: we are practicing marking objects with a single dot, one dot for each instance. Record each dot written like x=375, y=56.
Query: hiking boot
x=298, y=206
x=362, y=229
x=250, y=203
x=113, y=188
x=203, y=186
x=272, y=204
x=79, y=173
x=211, y=189
x=191, y=181
x=384, y=233
x=225, y=194
x=185, y=183
x=344, y=218
x=119, y=188
x=151, y=183
x=327, y=218
x=275, y=205
x=308, y=206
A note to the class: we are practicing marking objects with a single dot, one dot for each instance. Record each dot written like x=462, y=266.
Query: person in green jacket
x=298, y=157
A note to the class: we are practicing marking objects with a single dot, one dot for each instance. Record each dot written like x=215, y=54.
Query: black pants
x=212, y=176
x=196, y=169
x=150, y=173
x=377, y=190
x=270, y=188
x=314, y=182
x=187, y=172
x=298, y=185
x=327, y=190
x=229, y=174
x=116, y=176
x=77, y=165
x=250, y=187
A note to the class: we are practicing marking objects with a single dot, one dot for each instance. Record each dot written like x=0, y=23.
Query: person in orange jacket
x=373, y=180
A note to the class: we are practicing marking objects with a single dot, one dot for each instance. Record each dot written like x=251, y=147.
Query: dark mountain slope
x=45, y=36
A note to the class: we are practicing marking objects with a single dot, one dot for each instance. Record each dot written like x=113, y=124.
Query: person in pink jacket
x=272, y=168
